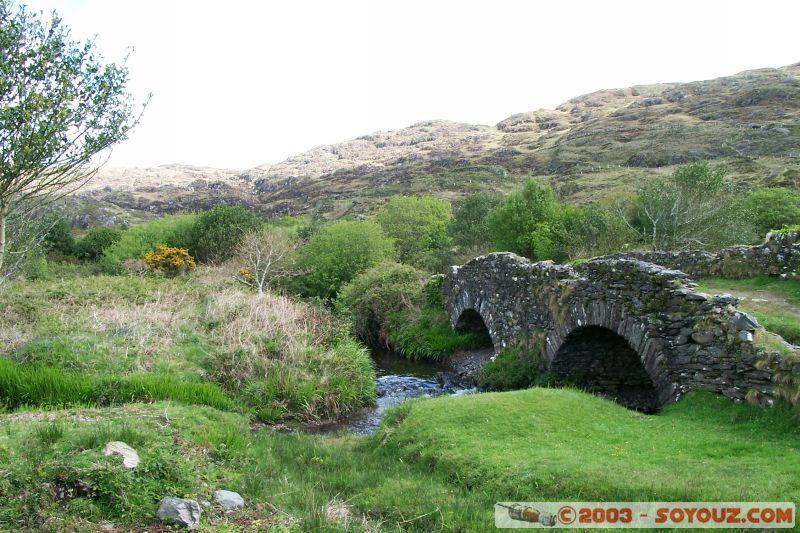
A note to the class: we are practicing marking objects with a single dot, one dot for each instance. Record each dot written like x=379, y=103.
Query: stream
x=397, y=379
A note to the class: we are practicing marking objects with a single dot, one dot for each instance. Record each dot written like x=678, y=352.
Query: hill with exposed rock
x=590, y=148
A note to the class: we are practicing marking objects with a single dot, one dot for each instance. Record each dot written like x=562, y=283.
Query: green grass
x=553, y=444
x=103, y=340
x=24, y=385
x=773, y=301
x=436, y=464
x=426, y=334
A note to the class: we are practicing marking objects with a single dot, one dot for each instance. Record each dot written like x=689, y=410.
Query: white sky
x=240, y=83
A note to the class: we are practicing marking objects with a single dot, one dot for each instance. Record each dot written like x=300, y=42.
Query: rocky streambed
x=398, y=379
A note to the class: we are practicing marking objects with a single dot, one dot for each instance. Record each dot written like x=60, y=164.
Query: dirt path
x=764, y=301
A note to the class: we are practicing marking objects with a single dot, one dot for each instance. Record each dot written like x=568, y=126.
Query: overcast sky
x=240, y=83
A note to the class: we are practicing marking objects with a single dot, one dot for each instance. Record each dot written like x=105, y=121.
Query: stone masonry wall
x=778, y=256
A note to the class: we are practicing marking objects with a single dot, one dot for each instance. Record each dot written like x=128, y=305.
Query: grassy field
x=77, y=339
x=774, y=302
x=436, y=465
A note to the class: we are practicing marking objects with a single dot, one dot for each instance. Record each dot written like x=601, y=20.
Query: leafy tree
x=339, y=252
x=96, y=241
x=695, y=207
x=526, y=222
x=418, y=225
x=469, y=227
x=217, y=231
x=59, y=107
x=772, y=208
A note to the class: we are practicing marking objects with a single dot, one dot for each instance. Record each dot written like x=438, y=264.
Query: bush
x=338, y=253
x=217, y=232
x=169, y=261
x=36, y=268
x=515, y=368
x=96, y=241
x=173, y=230
x=372, y=297
x=60, y=239
x=418, y=226
x=772, y=208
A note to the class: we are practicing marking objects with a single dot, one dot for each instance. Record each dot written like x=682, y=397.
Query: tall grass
x=42, y=386
x=285, y=359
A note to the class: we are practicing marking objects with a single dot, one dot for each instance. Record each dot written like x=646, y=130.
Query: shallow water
x=397, y=379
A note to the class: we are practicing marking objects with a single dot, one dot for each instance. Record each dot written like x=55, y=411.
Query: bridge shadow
x=598, y=360
x=471, y=321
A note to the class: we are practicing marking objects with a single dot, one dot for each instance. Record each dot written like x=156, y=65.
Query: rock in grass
x=130, y=459
x=228, y=499
x=185, y=513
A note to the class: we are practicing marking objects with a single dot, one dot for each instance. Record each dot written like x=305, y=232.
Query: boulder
x=130, y=459
x=228, y=499
x=185, y=513
x=744, y=322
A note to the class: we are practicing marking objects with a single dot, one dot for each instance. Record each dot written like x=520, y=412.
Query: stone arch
x=601, y=361
x=471, y=321
x=609, y=352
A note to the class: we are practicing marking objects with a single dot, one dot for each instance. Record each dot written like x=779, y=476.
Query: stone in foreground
x=228, y=499
x=130, y=459
x=185, y=513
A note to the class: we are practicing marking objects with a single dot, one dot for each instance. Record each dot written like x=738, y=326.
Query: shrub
x=36, y=268
x=338, y=253
x=170, y=261
x=96, y=241
x=514, y=368
x=60, y=239
x=217, y=232
x=419, y=227
x=372, y=297
x=772, y=208
x=173, y=231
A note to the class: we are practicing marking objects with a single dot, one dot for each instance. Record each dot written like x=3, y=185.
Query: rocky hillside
x=590, y=148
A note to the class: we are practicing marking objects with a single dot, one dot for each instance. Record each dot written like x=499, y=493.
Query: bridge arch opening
x=600, y=361
x=471, y=321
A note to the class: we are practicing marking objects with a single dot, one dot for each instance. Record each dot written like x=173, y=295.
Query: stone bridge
x=632, y=331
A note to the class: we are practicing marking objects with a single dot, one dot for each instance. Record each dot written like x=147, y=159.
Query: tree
x=419, y=227
x=469, y=228
x=264, y=255
x=218, y=230
x=695, y=207
x=525, y=222
x=339, y=252
x=59, y=108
